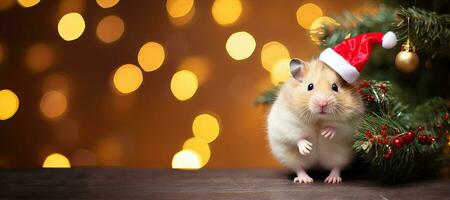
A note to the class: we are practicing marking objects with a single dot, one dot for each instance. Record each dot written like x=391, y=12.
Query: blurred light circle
x=151, y=56
x=186, y=159
x=110, y=28
x=179, y=8
x=112, y=151
x=53, y=104
x=71, y=26
x=240, y=45
x=6, y=4
x=9, y=104
x=127, y=78
x=200, y=65
x=183, y=85
x=206, y=128
x=56, y=160
x=280, y=72
x=200, y=147
x=226, y=12
x=27, y=3
x=271, y=53
x=57, y=82
x=39, y=57
x=307, y=13
x=183, y=20
x=314, y=30
x=107, y=3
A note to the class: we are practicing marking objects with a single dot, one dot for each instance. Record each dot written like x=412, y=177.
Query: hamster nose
x=322, y=103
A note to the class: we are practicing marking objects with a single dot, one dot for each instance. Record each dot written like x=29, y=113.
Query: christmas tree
x=405, y=128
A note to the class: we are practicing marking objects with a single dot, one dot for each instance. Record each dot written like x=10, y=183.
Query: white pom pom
x=389, y=40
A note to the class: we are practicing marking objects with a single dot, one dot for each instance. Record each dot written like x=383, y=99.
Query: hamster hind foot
x=302, y=177
x=334, y=177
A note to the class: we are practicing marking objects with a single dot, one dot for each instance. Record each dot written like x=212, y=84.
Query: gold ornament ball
x=407, y=61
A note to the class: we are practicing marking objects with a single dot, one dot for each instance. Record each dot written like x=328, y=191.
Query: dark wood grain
x=118, y=183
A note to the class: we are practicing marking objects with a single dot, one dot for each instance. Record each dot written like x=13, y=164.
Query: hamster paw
x=328, y=132
x=303, y=178
x=304, y=146
x=332, y=179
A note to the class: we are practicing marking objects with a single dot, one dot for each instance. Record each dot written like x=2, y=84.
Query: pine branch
x=429, y=31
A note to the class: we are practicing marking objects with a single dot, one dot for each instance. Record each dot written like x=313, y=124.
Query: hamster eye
x=310, y=86
x=334, y=87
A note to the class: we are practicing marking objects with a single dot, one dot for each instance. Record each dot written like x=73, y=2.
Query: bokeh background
x=147, y=83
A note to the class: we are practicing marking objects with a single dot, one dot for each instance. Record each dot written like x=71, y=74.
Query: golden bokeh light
x=112, y=151
x=6, y=4
x=206, y=128
x=226, y=12
x=280, y=72
x=151, y=56
x=9, y=104
x=307, y=13
x=179, y=8
x=107, y=3
x=240, y=45
x=110, y=28
x=186, y=159
x=314, y=30
x=127, y=78
x=200, y=147
x=56, y=160
x=199, y=65
x=57, y=82
x=183, y=20
x=27, y=3
x=71, y=26
x=183, y=85
x=271, y=53
x=53, y=104
x=39, y=57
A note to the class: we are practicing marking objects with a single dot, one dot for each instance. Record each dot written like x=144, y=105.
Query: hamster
x=313, y=120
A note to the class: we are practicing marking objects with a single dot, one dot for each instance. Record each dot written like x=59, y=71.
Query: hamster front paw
x=304, y=146
x=328, y=132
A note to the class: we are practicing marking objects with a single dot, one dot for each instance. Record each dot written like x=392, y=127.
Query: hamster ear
x=296, y=66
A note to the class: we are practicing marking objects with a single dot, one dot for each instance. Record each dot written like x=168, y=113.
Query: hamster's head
x=318, y=91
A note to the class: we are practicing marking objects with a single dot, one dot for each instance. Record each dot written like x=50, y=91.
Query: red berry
x=368, y=134
x=425, y=139
x=389, y=153
x=383, y=133
x=445, y=116
x=380, y=140
x=370, y=98
x=364, y=84
x=440, y=133
x=398, y=143
x=420, y=128
x=408, y=137
x=383, y=127
x=439, y=126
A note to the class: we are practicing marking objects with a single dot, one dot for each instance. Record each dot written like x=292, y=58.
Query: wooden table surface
x=121, y=183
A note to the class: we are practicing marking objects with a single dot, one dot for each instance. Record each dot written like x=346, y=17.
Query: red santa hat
x=349, y=57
